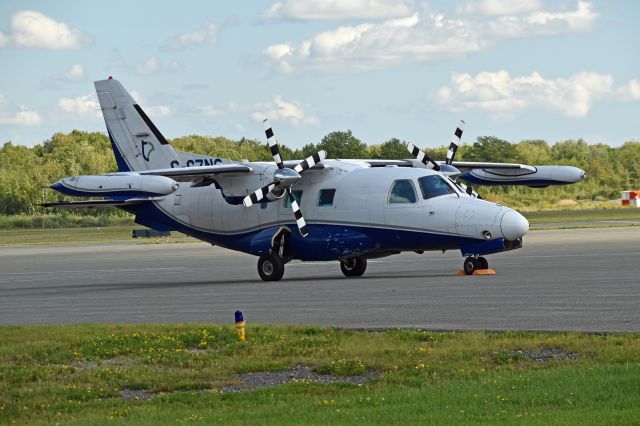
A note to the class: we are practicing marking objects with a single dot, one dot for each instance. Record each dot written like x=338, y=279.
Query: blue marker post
x=239, y=325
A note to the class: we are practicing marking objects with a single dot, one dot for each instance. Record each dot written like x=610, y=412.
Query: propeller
x=283, y=179
x=422, y=157
x=447, y=169
x=453, y=147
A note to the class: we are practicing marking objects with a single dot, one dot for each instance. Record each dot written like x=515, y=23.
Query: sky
x=517, y=69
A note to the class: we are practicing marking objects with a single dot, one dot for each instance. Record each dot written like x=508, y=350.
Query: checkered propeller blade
x=297, y=213
x=256, y=196
x=273, y=143
x=469, y=190
x=453, y=147
x=311, y=161
x=421, y=156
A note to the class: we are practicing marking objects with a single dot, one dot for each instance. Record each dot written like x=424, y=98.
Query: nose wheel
x=471, y=264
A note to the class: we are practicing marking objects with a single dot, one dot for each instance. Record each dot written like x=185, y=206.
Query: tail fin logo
x=146, y=153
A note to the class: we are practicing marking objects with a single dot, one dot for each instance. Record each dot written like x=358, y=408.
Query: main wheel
x=353, y=267
x=483, y=263
x=270, y=267
x=470, y=265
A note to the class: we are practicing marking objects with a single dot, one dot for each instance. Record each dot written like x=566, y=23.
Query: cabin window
x=325, y=197
x=296, y=194
x=264, y=205
x=434, y=186
x=402, y=191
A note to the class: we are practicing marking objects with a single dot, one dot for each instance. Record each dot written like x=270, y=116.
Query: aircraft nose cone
x=513, y=225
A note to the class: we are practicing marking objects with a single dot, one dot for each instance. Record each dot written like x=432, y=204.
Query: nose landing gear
x=471, y=264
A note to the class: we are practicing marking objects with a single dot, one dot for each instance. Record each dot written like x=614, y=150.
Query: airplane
x=354, y=210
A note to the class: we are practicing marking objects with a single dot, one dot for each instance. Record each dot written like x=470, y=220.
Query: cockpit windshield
x=434, y=186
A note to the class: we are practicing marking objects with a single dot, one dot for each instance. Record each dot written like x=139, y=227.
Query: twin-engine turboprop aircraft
x=354, y=210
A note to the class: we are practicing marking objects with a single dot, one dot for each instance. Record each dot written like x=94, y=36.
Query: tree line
x=25, y=171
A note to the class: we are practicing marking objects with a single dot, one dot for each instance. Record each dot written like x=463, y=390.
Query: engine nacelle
x=129, y=185
x=275, y=194
x=536, y=176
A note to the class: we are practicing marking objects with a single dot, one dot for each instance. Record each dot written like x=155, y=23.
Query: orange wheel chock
x=480, y=272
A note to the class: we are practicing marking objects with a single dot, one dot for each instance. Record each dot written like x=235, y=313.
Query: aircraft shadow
x=67, y=289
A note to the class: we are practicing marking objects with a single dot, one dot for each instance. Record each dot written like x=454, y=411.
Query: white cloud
x=211, y=111
x=498, y=7
x=502, y=95
x=395, y=41
x=23, y=117
x=75, y=72
x=159, y=111
x=278, y=109
x=31, y=29
x=176, y=66
x=282, y=110
x=303, y=10
x=207, y=35
x=148, y=67
x=86, y=105
x=630, y=91
x=151, y=110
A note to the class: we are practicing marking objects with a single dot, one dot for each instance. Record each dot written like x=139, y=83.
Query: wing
x=496, y=166
x=197, y=172
x=385, y=163
x=290, y=164
x=199, y=175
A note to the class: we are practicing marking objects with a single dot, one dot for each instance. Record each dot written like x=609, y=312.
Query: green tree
x=489, y=148
x=343, y=145
x=393, y=149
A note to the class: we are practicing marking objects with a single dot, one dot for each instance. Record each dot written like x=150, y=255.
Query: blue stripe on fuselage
x=324, y=242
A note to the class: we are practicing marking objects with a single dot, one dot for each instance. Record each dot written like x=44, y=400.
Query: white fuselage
x=361, y=202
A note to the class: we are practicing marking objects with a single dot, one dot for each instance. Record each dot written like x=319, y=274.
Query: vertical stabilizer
x=137, y=143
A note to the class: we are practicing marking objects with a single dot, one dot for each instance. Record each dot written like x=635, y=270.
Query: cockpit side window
x=402, y=191
x=434, y=186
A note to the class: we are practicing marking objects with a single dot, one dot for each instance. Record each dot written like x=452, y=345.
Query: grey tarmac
x=569, y=279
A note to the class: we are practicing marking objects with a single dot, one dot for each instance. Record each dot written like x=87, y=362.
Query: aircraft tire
x=270, y=267
x=484, y=264
x=470, y=265
x=353, y=267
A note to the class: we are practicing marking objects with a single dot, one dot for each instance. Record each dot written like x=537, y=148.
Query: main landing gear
x=472, y=264
x=353, y=267
x=270, y=267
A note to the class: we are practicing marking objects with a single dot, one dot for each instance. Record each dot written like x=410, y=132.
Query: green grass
x=66, y=220
x=80, y=235
x=75, y=375
x=567, y=216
